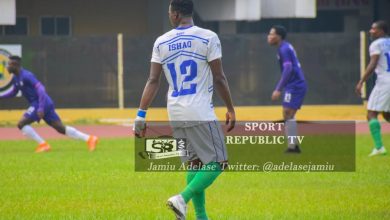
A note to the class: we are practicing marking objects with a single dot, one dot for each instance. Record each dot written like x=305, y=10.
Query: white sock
x=75, y=134
x=291, y=130
x=28, y=131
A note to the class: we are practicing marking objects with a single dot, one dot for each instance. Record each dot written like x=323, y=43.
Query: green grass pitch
x=71, y=183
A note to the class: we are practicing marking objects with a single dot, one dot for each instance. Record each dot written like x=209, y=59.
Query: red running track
x=102, y=131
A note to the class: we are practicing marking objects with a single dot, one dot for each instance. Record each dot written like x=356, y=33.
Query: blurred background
x=78, y=48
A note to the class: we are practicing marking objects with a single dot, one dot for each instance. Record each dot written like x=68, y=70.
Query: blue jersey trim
x=168, y=41
x=220, y=140
x=183, y=51
x=211, y=88
x=212, y=138
x=181, y=39
x=188, y=55
x=192, y=56
x=183, y=28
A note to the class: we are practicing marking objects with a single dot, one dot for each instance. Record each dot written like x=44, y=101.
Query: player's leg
x=292, y=101
x=386, y=116
x=201, y=180
x=204, y=143
x=28, y=118
x=377, y=102
x=198, y=199
x=58, y=126
x=291, y=128
x=176, y=203
x=289, y=113
x=375, y=130
x=195, y=191
x=208, y=143
x=53, y=120
x=27, y=130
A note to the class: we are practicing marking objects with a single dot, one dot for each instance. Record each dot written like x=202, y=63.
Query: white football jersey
x=381, y=47
x=184, y=54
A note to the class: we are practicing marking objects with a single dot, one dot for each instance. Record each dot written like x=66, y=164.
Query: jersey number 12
x=186, y=65
x=388, y=61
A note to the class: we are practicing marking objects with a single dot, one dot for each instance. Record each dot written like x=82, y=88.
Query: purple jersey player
x=41, y=107
x=292, y=82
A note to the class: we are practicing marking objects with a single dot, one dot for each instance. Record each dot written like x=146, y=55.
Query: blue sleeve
x=11, y=92
x=286, y=59
x=30, y=79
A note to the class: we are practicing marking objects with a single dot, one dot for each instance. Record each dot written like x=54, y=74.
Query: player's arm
x=148, y=95
x=152, y=86
x=10, y=93
x=367, y=73
x=286, y=74
x=223, y=90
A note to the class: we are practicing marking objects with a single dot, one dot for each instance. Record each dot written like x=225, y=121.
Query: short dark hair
x=184, y=7
x=382, y=25
x=16, y=58
x=280, y=30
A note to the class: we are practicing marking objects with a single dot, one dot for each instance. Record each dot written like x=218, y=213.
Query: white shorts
x=379, y=99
